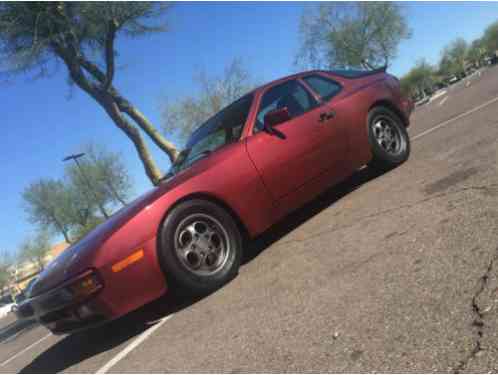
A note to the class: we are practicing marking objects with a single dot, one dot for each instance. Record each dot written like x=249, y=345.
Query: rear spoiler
x=353, y=73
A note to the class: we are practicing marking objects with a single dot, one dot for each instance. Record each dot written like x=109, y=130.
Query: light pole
x=75, y=157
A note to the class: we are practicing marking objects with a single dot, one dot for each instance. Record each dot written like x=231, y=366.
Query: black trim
x=327, y=78
x=354, y=73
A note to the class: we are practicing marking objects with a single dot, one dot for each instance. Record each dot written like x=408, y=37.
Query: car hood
x=78, y=257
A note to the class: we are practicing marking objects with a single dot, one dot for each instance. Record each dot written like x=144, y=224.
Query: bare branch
x=109, y=53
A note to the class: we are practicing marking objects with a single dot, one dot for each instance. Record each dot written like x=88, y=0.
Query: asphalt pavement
x=385, y=273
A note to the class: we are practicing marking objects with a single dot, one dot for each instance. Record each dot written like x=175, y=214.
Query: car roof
x=339, y=73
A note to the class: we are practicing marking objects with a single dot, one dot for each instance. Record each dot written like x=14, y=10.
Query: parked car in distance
x=18, y=308
x=243, y=170
x=5, y=309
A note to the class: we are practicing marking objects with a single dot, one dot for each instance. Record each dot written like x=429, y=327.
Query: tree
x=35, y=249
x=111, y=172
x=184, y=115
x=86, y=187
x=476, y=52
x=81, y=230
x=490, y=38
x=99, y=179
x=81, y=35
x=81, y=200
x=453, y=58
x=47, y=203
x=6, y=260
x=354, y=34
x=420, y=80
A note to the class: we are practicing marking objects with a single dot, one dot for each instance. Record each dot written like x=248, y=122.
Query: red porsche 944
x=244, y=169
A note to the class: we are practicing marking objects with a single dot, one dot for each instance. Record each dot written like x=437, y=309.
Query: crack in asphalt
x=327, y=230
x=478, y=321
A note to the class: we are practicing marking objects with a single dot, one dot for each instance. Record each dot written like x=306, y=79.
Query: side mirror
x=275, y=117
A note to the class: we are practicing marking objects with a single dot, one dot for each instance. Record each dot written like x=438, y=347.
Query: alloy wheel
x=202, y=244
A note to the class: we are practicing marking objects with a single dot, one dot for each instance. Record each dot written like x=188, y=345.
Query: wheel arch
x=386, y=103
x=210, y=198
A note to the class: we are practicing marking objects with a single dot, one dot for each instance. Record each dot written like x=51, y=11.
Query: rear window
x=324, y=87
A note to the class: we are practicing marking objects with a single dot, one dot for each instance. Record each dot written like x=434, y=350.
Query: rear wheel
x=388, y=138
x=200, y=247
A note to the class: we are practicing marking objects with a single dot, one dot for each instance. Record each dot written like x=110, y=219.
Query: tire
x=383, y=157
x=200, y=248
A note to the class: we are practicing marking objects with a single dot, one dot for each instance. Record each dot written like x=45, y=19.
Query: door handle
x=324, y=116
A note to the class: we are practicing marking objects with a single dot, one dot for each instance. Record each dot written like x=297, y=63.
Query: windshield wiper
x=183, y=162
x=199, y=155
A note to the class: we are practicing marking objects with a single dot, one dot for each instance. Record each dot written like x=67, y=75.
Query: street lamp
x=75, y=157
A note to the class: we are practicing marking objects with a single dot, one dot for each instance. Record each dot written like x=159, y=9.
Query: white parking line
x=447, y=122
x=437, y=95
x=143, y=336
x=25, y=349
x=442, y=102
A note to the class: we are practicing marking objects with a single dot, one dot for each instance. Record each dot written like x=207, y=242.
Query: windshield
x=223, y=128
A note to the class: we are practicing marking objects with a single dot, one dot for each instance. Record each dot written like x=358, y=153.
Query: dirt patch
x=446, y=182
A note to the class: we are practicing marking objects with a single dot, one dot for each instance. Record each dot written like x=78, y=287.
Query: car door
x=335, y=116
x=287, y=162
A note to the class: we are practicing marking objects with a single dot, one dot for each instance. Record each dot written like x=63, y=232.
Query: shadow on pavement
x=16, y=329
x=77, y=347
x=309, y=210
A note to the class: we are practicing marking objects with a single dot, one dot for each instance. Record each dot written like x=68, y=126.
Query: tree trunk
x=103, y=211
x=151, y=169
x=150, y=130
x=112, y=103
x=61, y=229
x=125, y=106
x=116, y=195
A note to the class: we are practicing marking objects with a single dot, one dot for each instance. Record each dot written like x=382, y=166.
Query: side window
x=289, y=94
x=324, y=87
x=223, y=128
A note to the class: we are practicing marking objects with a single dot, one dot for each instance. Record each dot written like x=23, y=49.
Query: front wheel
x=388, y=138
x=200, y=247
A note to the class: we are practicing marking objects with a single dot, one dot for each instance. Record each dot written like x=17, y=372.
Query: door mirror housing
x=275, y=117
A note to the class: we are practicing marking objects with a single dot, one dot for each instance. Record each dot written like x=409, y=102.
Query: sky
x=44, y=120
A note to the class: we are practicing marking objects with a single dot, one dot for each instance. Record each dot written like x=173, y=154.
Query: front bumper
x=61, y=312
x=122, y=291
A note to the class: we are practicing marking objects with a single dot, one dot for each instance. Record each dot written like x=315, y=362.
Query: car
x=6, y=309
x=247, y=167
x=26, y=293
x=453, y=79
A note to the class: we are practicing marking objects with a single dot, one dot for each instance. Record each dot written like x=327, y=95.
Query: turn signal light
x=85, y=285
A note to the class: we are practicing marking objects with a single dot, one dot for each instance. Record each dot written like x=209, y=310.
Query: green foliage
x=110, y=172
x=6, y=260
x=32, y=33
x=186, y=114
x=45, y=202
x=354, y=34
x=476, y=52
x=453, y=58
x=420, y=80
x=490, y=38
x=100, y=179
x=34, y=249
x=36, y=36
x=75, y=204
